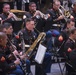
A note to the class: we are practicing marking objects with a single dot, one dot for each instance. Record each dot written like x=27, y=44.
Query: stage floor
x=55, y=70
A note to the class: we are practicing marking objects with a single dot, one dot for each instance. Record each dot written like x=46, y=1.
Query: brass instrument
x=39, y=14
x=39, y=38
x=66, y=12
x=22, y=64
x=14, y=16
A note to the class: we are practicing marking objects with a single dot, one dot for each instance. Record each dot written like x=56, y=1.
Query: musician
x=69, y=25
x=29, y=37
x=55, y=16
x=6, y=67
x=69, y=46
x=64, y=35
x=6, y=16
x=33, y=12
x=37, y=15
x=7, y=28
x=32, y=9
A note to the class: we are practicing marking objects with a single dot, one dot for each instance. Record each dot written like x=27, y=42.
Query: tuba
x=39, y=38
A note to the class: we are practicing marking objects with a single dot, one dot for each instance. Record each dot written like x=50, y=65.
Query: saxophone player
x=6, y=16
x=30, y=36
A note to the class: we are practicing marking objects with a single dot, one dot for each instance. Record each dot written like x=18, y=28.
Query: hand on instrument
x=36, y=13
x=13, y=47
x=10, y=15
x=23, y=56
x=60, y=17
x=17, y=61
x=16, y=52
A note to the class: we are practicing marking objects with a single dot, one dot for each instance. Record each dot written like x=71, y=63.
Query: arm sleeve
x=4, y=64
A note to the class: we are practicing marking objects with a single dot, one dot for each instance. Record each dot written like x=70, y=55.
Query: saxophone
x=39, y=38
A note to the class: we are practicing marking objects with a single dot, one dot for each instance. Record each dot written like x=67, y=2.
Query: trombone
x=65, y=13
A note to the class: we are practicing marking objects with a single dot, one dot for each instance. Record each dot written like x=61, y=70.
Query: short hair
x=29, y=19
x=5, y=4
x=5, y=25
x=31, y=3
x=73, y=31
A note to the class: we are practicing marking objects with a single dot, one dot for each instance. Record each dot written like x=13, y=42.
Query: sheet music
x=40, y=54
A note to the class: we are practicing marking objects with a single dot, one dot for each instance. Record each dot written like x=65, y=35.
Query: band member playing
x=6, y=15
x=55, y=16
x=37, y=15
x=29, y=36
x=64, y=35
x=33, y=12
x=11, y=48
x=5, y=66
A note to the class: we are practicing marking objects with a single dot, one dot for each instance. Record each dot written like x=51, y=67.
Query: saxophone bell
x=40, y=37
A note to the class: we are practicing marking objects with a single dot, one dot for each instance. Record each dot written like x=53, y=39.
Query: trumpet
x=14, y=16
x=39, y=14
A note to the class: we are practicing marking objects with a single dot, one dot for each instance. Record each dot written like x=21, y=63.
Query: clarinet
x=22, y=42
x=22, y=65
x=23, y=50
